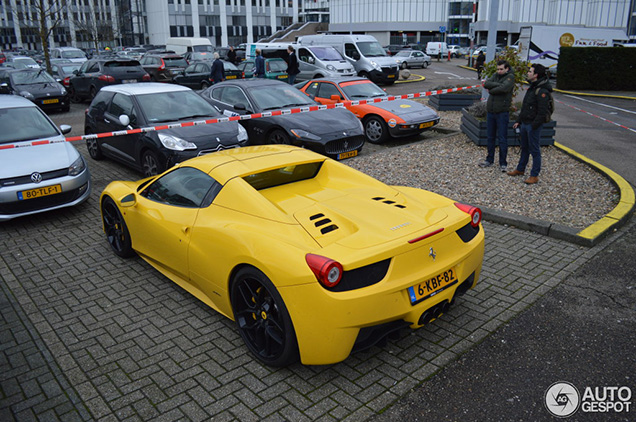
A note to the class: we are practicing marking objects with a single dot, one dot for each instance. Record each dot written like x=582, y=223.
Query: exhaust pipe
x=434, y=312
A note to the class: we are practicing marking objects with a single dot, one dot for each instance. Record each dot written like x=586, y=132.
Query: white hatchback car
x=38, y=178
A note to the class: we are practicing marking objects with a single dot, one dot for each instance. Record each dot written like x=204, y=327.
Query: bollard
x=449, y=55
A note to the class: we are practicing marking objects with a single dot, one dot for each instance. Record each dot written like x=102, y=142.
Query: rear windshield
x=277, y=65
x=127, y=63
x=73, y=54
x=175, y=62
x=283, y=175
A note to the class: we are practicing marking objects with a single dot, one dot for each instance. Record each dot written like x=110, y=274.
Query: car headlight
x=62, y=91
x=331, y=67
x=242, y=134
x=77, y=167
x=174, y=143
x=300, y=134
x=375, y=65
x=27, y=95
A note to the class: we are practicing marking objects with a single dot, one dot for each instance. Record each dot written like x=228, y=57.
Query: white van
x=435, y=48
x=182, y=45
x=363, y=51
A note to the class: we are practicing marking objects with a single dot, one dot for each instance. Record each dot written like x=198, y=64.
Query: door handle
x=106, y=121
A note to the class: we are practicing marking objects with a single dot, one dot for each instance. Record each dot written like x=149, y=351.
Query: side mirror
x=336, y=98
x=311, y=60
x=356, y=56
x=124, y=120
x=65, y=129
x=128, y=200
x=75, y=71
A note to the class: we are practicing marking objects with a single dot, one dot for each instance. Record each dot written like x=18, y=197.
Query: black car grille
x=389, y=70
x=23, y=180
x=344, y=144
x=27, y=205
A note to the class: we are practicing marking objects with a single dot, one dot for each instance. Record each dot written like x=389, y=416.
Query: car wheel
x=262, y=318
x=365, y=75
x=277, y=136
x=318, y=76
x=93, y=146
x=66, y=109
x=403, y=65
x=375, y=130
x=75, y=98
x=204, y=85
x=424, y=65
x=116, y=230
x=150, y=164
x=92, y=93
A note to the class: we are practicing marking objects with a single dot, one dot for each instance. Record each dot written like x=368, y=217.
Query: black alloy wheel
x=92, y=93
x=277, y=136
x=73, y=95
x=93, y=147
x=116, y=230
x=375, y=130
x=150, y=164
x=262, y=318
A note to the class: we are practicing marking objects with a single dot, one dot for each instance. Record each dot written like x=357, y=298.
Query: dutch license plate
x=348, y=154
x=231, y=77
x=391, y=76
x=282, y=76
x=36, y=193
x=427, y=124
x=432, y=286
x=129, y=81
x=50, y=101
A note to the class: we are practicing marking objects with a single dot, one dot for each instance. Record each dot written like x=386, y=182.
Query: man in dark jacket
x=259, y=65
x=292, y=65
x=231, y=55
x=479, y=63
x=500, y=87
x=534, y=110
x=217, y=73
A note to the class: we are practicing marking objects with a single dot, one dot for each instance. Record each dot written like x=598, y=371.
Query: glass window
x=283, y=175
x=233, y=95
x=327, y=90
x=174, y=106
x=24, y=123
x=122, y=104
x=312, y=89
x=365, y=89
x=350, y=50
x=183, y=187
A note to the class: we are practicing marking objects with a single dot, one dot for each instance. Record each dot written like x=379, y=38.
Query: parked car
x=275, y=68
x=98, y=73
x=381, y=120
x=37, y=86
x=393, y=49
x=412, y=58
x=197, y=75
x=21, y=62
x=163, y=67
x=70, y=53
x=336, y=133
x=311, y=258
x=39, y=178
x=62, y=70
x=455, y=51
x=134, y=106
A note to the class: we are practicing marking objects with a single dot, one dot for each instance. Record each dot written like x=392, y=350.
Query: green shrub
x=519, y=67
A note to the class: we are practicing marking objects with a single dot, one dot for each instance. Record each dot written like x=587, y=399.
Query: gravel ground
x=568, y=193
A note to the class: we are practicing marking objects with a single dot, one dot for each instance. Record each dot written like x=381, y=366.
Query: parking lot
x=88, y=335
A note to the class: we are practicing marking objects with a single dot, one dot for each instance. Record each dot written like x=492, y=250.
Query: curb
x=418, y=79
x=592, y=234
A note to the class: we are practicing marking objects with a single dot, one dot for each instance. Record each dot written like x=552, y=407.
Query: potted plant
x=474, y=117
x=454, y=100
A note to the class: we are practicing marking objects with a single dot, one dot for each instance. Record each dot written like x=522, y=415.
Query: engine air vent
x=313, y=217
x=328, y=229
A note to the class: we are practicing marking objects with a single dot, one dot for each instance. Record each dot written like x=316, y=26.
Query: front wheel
x=93, y=147
x=262, y=318
x=150, y=164
x=116, y=230
x=75, y=98
x=404, y=65
x=278, y=136
x=375, y=130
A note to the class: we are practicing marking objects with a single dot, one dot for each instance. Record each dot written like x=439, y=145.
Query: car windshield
x=175, y=61
x=24, y=123
x=277, y=65
x=203, y=48
x=29, y=78
x=272, y=97
x=73, y=54
x=69, y=68
x=403, y=53
x=362, y=89
x=174, y=106
x=229, y=66
x=371, y=49
x=326, y=53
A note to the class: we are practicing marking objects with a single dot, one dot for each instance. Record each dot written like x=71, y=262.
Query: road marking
x=601, y=104
x=448, y=73
x=598, y=117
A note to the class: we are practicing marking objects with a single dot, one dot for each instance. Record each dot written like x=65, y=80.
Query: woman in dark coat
x=217, y=74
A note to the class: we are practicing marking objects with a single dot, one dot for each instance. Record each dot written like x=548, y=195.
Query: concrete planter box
x=445, y=102
x=477, y=131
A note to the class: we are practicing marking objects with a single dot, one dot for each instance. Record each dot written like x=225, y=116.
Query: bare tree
x=94, y=30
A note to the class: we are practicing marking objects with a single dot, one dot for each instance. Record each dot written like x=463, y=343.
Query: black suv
x=163, y=67
x=97, y=73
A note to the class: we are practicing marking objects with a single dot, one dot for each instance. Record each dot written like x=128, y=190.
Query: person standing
x=479, y=63
x=231, y=55
x=534, y=110
x=217, y=73
x=259, y=65
x=292, y=65
x=500, y=87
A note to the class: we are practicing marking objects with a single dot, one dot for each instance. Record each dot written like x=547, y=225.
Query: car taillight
x=163, y=65
x=474, y=212
x=107, y=78
x=146, y=78
x=242, y=75
x=66, y=81
x=327, y=271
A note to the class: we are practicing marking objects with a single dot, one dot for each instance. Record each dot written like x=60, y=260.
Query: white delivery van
x=364, y=52
x=182, y=45
x=435, y=48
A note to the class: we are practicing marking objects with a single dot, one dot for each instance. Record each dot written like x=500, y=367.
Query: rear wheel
x=150, y=164
x=424, y=65
x=375, y=130
x=262, y=318
x=75, y=98
x=204, y=85
x=116, y=230
x=93, y=146
x=277, y=136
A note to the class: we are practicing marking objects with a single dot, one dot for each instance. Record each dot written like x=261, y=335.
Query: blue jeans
x=530, y=145
x=497, y=126
x=291, y=79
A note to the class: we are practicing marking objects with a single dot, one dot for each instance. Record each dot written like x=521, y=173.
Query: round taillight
x=327, y=271
x=146, y=78
x=474, y=212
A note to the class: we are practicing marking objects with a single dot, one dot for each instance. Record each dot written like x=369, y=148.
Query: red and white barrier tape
x=240, y=117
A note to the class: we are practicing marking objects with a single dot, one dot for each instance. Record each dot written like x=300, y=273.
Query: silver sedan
x=412, y=58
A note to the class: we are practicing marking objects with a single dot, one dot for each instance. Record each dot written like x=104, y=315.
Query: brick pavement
x=89, y=336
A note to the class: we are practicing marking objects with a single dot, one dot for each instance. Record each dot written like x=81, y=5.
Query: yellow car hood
x=363, y=219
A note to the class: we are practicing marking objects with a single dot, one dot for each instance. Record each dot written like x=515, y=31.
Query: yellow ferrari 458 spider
x=312, y=259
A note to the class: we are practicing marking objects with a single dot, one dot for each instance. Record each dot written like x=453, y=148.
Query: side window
x=93, y=68
x=303, y=54
x=84, y=67
x=312, y=89
x=217, y=93
x=54, y=71
x=200, y=68
x=233, y=95
x=183, y=187
x=350, y=50
x=327, y=90
x=122, y=104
